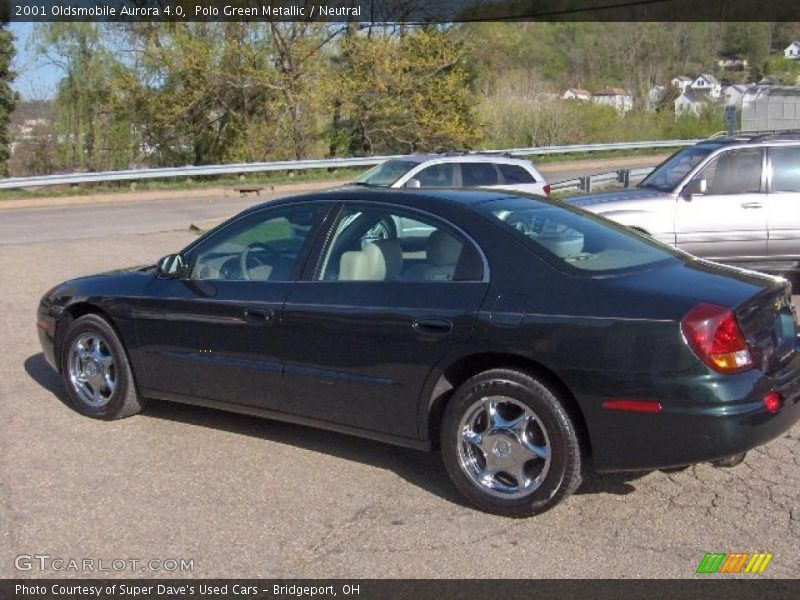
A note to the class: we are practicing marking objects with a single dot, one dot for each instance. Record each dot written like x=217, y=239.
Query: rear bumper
x=703, y=417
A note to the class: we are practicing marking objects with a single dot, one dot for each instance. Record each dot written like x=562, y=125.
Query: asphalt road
x=243, y=497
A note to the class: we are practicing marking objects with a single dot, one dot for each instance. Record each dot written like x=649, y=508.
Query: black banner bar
x=398, y=589
x=392, y=11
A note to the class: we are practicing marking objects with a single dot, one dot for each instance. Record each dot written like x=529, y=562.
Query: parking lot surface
x=243, y=497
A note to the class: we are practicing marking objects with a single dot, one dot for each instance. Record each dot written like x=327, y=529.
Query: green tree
x=8, y=97
x=405, y=93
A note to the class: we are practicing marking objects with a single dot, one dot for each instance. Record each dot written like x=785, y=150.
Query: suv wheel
x=509, y=445
x=96, y=371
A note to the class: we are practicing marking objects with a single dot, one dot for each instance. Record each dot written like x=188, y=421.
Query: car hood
x=594, y=202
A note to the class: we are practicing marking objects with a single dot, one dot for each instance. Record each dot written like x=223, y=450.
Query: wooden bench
x=248, y=189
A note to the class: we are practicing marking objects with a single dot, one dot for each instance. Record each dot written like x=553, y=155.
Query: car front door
x=215, y=333
x=367, y=324
x=783, y=214
x=728, y=222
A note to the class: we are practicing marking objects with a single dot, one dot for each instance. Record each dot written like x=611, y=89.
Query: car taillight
x=546, y=189
x=714, y=335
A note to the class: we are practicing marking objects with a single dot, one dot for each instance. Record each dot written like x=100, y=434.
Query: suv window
x=262, y=247
x=514, y=174
x=372, y=244
x=734, y=172
x=785, y=169
x=436, y=176
x=478, y=174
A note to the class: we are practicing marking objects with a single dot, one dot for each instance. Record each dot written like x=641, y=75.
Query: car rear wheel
x=96, y=371
x=509, y=444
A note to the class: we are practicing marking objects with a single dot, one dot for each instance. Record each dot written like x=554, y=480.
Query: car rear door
x=729, y=221
x=369, y=321
x=783, y=205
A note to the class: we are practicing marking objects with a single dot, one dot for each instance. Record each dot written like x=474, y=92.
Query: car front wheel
x=96, y=371
x=509, y=445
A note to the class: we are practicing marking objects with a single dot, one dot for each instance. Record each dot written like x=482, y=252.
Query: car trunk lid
x=767, y=320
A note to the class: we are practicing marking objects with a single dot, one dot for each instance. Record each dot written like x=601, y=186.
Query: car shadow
x=425, y=470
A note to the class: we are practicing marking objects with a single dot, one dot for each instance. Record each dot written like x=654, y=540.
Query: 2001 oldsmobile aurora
x=528, y=339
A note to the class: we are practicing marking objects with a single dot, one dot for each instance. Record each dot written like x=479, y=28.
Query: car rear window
x=514, y=174
x=574, y=239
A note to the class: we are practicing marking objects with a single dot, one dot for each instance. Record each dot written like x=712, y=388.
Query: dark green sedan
x=527, y=339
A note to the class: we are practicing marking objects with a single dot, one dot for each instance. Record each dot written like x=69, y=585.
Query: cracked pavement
x=253, y=498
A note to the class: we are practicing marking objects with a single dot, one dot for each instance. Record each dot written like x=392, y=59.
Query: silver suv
x=734, y=200
x=457, y=170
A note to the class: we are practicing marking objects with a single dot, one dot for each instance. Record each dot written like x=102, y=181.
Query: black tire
x=560, y=479
x=117, y=403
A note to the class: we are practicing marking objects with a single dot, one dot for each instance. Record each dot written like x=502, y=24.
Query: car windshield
x=669, y=174
x=385, y=174
x=571, y=238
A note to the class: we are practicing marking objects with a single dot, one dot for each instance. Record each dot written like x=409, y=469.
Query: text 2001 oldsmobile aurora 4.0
x=529, y=340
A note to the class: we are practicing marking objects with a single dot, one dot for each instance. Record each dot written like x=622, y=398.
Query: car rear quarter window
x=785, y=169
x=574, y=240
x=514, y=174
x=478, y=174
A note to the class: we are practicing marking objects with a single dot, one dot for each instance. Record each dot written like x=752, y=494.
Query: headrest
x=443, y=249
x=378, y=261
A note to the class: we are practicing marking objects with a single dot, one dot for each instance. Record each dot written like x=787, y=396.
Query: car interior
x=378, y=246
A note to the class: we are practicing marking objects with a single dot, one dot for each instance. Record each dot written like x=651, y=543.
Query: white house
x=707, y=84
x=792, y=51
x=576, y=94
x=690, y=102
x=681, y=82
x=620, y=99
x=732, y=63
x=733, y=94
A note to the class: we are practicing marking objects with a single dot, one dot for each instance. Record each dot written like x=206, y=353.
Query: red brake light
x=773, y=402
x=714, y=335
x=546, y=189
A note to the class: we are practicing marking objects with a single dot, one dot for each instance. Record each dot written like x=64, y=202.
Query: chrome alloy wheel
x=92, y=371
x=503, y=447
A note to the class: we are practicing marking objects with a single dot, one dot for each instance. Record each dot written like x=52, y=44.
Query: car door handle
x=433, y=326
x=752, y=205
x=258, y=315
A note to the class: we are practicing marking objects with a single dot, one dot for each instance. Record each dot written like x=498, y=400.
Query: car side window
x=440, y=175
x=515, y=174
x=785, y=169
x=371, y=244
x=478, y=174
x=734, y=172
x=262, y=247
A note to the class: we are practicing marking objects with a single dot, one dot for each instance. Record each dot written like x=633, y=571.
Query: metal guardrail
x=584, y=184
x=298, y=165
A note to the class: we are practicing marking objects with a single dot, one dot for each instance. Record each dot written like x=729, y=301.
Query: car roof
x=413, y=198
x=463, y=157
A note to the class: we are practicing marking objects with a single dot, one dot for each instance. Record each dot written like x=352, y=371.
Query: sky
x=36, y=79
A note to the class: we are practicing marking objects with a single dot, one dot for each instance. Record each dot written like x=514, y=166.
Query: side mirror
x=696, y=187
x=171, y=266
x=413, y=183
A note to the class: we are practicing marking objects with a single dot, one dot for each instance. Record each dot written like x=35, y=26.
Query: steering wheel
x=245, y=256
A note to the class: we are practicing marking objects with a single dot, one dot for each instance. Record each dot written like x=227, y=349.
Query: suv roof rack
x=755, y=137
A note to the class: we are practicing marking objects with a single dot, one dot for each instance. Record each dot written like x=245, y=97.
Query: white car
x=456, y=171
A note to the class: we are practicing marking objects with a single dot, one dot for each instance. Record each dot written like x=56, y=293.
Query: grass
x=272, y=178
